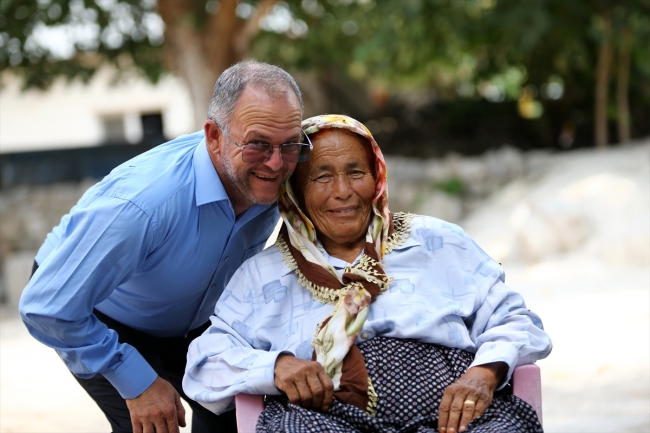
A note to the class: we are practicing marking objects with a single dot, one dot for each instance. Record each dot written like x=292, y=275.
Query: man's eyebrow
x=256, y=136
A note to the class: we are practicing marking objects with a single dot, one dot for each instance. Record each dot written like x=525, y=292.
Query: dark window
x=152, y=129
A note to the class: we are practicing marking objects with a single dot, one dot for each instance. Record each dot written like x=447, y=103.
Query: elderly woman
x=363, y=320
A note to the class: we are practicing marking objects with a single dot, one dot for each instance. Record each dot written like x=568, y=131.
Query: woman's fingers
x=458, y=407
x=316, y=390
x=481, y=405
x=469, y=397
x=456, y=411
x=468, y=411
x=328, y=388
x=305, y=382
x=292, y=394
x=443, y=410
x=304, y=391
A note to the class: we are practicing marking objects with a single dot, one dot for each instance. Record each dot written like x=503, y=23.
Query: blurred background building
x=525, y=122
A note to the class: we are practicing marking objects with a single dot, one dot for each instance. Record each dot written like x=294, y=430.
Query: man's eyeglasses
x=262, y=152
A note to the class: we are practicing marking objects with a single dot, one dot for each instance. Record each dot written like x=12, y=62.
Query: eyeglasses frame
x=279, y=147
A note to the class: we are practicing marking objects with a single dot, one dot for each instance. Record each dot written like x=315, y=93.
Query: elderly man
x=132, y=273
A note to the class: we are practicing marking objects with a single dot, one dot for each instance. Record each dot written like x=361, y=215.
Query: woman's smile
x=344, y=210
x=337, y=186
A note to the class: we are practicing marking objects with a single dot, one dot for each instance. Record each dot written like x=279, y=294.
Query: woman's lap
x=410, y=378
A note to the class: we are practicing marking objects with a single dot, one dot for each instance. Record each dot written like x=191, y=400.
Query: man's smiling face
x=257, y=118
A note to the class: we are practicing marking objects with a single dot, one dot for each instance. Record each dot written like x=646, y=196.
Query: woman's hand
x=305, y=382
x=468, y=397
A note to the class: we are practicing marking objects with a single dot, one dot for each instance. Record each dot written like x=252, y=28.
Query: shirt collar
x=208, y=187
x=341, y=264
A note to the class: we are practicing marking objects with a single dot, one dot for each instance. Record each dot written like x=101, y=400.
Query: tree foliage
x=530, y=52
x=446, y=49
x=126, y=34
x=442, y=44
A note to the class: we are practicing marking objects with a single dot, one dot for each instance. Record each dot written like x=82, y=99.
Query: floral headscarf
x=351, y=293
x=302, y=231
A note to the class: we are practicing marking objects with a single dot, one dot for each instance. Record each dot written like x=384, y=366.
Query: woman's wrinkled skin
x=335, y=188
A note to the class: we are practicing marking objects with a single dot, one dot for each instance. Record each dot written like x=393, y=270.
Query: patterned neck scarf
x=351, y=293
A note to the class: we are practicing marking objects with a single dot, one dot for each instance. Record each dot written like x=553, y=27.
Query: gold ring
x=469, y=402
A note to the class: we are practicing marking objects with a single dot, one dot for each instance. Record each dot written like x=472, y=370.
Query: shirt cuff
x=132, y=376
x=261, y=376
x=497, y=352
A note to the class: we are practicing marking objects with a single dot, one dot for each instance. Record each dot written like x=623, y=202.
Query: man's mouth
x=265, y=178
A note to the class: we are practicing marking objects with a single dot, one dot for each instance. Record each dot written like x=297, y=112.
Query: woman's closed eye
x=329, y=177
x=323, y=178
x=356, y=174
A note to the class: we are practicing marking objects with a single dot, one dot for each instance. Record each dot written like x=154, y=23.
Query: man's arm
x=103, y=243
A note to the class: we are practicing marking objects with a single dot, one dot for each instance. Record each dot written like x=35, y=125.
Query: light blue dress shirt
x=152, y=246
x=446, y=291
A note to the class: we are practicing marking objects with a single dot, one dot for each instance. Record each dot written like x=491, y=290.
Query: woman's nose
x=341, y=187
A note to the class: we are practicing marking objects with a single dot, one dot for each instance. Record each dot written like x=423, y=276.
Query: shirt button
x=226, y=259
x=213, y=286
x=364, y=336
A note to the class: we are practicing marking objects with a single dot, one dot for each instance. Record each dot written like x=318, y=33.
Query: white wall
x=70, y=114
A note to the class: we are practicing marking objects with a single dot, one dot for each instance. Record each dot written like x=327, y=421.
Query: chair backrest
x=526, y=384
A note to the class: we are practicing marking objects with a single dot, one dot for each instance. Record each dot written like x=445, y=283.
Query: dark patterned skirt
x=410, y=378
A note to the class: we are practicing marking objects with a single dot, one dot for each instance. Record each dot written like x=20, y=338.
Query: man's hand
x=468, y=397
x=305, y=382
x=158, y=409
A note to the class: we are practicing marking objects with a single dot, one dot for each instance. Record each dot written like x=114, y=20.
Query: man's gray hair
x=275, y=81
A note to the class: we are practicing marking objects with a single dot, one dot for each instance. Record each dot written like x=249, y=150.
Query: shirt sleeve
x=103, y=242
x=502, y=328
x=228, y=359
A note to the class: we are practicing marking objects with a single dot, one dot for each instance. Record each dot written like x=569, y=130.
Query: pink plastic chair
x=526, y=384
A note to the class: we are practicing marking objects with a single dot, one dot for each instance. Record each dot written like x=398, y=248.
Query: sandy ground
x=593, y=294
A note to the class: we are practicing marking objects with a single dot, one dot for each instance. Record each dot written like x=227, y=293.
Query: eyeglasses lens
x=291, y=152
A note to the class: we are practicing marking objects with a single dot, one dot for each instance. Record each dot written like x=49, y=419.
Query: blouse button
x=364, y=336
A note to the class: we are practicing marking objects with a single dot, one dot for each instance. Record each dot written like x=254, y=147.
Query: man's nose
x=275, y=161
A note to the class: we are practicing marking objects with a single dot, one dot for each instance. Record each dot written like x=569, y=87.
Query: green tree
x=196, y=39
x=356, y=49
x=461, y=48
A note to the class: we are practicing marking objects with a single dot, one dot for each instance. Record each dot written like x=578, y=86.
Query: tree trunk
x=193, y=70
x=602, y=81
x=198, y=54
x=622, y=84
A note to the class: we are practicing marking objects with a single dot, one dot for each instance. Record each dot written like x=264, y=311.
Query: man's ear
x=212, y=136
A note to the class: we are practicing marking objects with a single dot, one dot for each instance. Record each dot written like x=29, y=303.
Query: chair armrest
x=527, y=385
x=248, y=408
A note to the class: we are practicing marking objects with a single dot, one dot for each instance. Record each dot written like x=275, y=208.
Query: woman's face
x=336, y=186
